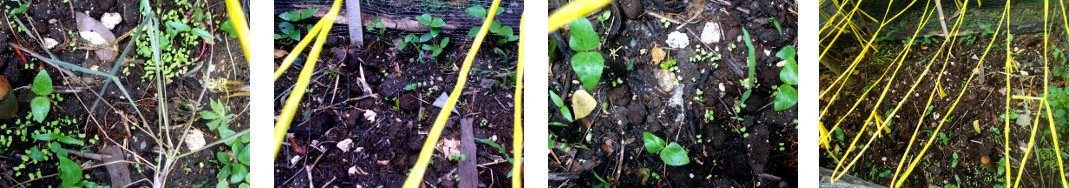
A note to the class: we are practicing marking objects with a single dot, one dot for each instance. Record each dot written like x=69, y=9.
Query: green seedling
x=506, y=33
x=288, y=29
x=40, y=105
x=774, y=22
x=376, y=23
x=669, y=65
x=232, y=171
x=560, y=104
x=424, y=41
x=787, y=96
x=672, y=154
x=500, y=149
x=587, y=63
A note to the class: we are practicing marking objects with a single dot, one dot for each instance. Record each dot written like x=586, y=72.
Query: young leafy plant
x=289, y=30
x=40, y=105
x=232, y=171
x=672, y=154
x=425, y=41
x=588, y=63
x=504, y=31
x=560, y=104
x=787, y=96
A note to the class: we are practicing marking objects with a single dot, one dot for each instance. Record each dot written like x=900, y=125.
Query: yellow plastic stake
x=415, y=177
x=572, y=11
x=290, y=109
x=286, y=63
x=939, y=86
x=237, y=19
x=517, y=119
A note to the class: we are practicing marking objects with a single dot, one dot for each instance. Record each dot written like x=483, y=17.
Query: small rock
x=110, y=20
x=711, y=33
x=194, y=140
x=51, y=43
x=677, y=40
x=345, y=145
x=370, y=115
x=666, y=80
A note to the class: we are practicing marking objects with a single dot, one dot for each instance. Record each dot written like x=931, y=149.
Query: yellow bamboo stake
x=572, y=11
x=517, y=119
x=299, y=89
x=237, y=19
x=415, y=177
x=286, y=63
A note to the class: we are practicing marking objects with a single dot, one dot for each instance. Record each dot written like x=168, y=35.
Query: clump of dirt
x=112, y=121
x=608, y=144
x=388, y=119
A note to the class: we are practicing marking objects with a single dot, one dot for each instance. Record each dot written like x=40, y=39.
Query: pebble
x=666, y=80
x=110, y=19
x=677, y=40
x=711, y=33
x=50, y=43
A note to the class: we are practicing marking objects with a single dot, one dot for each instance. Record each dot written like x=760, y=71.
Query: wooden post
x=356, y=34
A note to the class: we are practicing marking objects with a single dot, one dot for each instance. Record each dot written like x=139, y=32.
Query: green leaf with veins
x=588, y=66
x=786, y=97
x=789, y=73
x=674, y=155
x=583, y=38
x=42, y=84
x=653, y=143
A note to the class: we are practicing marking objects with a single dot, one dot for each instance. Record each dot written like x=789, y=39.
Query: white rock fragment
x=370, y=115
x=110, y=20
x=711, y=33
x=50, y=43
x=352, y=171
x=295, y=159
x=345, y=145
x=665, y=79
x=677, y=40
x=194, y=140
x=721, y=86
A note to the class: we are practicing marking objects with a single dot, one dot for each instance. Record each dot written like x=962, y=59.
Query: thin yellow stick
x=286, y=63
x=517, y=119
x=415, y=177
x=294, y=100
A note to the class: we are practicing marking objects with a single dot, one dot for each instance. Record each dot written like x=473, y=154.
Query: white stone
x=194, y=140
x=345, y=145
x=711, y=33
x=370, y=115
x=110, y=20
x=665, y=79
x=50, y=43
x=677, y=40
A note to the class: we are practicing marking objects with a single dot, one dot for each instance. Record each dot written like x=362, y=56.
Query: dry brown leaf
x=656, y=56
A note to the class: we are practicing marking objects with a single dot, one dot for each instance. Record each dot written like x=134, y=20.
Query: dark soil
x=982, y=104
x=608, y=144
x=53, y=19
x=385, y=148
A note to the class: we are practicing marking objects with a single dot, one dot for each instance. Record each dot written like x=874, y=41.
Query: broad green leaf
x=583, y=103
x=42, y=84
x=588, y=66
x=202, y=33
x=179, y=26
x=69, y=172
x=786, y=98
x=222, y=184
x=308, y=12
x=674, y=155
x=297, y=15
x=653, y=143
x=36, y=154
x=244, y=185
x=243, y=155
x=789, y=74
x=223, y=173
x=222, y=157
x=229, y=28
x=443, y=43
x=583, y=36
x=39, y=107
x=238, y=172
x=477, y=11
